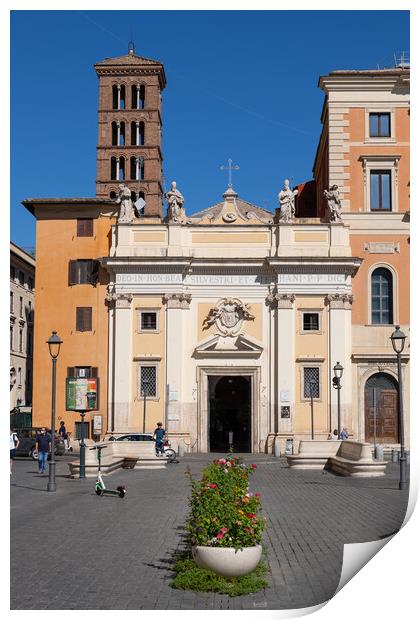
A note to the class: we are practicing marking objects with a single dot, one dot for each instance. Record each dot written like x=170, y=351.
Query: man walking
x=63, y=435
x=158, y=436
x=43, y=445
x=14, y=443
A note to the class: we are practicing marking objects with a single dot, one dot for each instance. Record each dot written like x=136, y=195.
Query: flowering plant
x=223, y=511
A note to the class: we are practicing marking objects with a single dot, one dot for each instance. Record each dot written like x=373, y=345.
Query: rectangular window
x=30, y=317
x=85, y=227
x=380, y=190
x=380, y=125
x=19, y=376
x=84, y=271
x=148, y=321
x=148, y=381
x=82, y=372
x=84, y=319
x=12, y=272
x=29, y=343
x=21, y=278
x=311, y=386
x=21, y=307
x=20, y=340
x=11, y=302
x=30, y=284
x=311, y=321
x=11, y=338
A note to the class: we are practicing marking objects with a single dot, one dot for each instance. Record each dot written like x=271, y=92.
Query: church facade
x=226, y=324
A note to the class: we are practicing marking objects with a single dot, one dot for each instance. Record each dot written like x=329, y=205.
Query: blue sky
x=241, y=84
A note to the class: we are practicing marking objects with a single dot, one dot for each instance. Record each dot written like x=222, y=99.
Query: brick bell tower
x=130, y=128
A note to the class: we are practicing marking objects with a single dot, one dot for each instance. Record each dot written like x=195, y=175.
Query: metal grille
x=310, y=374
x=148, y=320
x=310, y=321
x=148, y=381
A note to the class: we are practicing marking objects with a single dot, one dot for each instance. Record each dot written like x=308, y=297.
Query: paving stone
x=108, y=553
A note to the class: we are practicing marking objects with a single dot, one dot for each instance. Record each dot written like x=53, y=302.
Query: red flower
x=253, y=466
x=251, y=515
x=257, y=494
x=212, y=486
x=219, y=535
x=224, y=530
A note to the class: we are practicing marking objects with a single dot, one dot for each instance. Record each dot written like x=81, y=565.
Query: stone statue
x=124, y=198
x=175, y=199
x=332, y=196
x=287, y=202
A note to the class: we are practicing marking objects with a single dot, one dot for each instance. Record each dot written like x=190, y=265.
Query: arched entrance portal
x=381, y=408
x=230, y=412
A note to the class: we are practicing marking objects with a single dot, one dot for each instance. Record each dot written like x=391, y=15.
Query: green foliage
x=223, y=512
x=189, y=576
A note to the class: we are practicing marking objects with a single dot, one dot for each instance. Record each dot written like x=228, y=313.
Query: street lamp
x=312, y=384
x=338, y=373
x=145, y=387
x=398, y=341
x=54, y=343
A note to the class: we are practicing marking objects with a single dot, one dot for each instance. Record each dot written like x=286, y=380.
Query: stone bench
x=347, y=458
x=313, y=454
x=117, y=455
x=354, y=458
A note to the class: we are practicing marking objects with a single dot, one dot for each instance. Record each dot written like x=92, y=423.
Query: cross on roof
x=230, y=167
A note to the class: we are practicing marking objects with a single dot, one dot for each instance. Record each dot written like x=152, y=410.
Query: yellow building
x=226, y=324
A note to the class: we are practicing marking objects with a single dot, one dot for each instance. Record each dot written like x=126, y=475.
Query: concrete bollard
x=394, y=456
x=181, y=447
x=379, y=453
x=277, y=451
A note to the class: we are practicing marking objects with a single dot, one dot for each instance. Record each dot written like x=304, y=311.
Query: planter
x=227, y=561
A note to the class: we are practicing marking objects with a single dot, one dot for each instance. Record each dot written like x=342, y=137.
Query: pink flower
x=221, y=461
x=212, y=486
x=257, y=494
x=219, y=535
x=224, y=530
x=253, y=466
x=251, y=515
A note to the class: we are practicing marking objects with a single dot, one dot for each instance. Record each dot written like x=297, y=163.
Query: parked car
x=133, y=437
x=27, y=441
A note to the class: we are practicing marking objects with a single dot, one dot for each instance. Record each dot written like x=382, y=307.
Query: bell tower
x=130, y=128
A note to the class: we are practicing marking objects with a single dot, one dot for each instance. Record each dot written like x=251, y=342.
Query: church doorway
x=230, y=413
x=381, y=408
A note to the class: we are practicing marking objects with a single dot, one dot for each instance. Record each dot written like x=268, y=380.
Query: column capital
x=339, y=301
x=281, y=300
x=177, y=300
x=123, y=300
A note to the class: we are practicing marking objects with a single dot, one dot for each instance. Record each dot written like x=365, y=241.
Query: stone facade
x=22, y=298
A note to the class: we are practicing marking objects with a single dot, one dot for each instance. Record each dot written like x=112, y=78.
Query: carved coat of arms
x=228, y=315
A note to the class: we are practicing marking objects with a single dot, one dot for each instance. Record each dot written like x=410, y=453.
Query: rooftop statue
x=332, y=196
x=126, y=209
x=175, y=202
x=287, y=202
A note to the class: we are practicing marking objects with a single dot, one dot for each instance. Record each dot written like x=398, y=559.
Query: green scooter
x=100, y=488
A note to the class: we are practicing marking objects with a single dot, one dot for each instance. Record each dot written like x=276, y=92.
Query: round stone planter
x=227, y=561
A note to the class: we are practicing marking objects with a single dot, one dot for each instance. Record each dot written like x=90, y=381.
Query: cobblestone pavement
x=74, y=550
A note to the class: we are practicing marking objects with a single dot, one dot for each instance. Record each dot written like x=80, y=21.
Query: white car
x=168, y=452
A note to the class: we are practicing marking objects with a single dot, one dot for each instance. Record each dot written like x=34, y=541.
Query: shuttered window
x=85, y=227
x=84, y=319
x=83, y=271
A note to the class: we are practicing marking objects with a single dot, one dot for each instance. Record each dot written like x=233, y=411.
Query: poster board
x=82, y=394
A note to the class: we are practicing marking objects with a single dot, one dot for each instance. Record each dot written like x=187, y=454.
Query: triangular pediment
x=228, y=346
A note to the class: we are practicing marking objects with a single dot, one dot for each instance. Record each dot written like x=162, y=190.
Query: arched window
x=113, y=168
x=121, y=171
x=136, y=168
x=114, y=132
x=137, y=133
x=112, y=195
x=115, y=97
x=122, y=134
x=382, y=297
x=122, y=97
x=142, y=97
x=141, y=134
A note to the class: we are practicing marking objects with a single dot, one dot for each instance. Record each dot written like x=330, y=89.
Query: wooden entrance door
x=381, y=409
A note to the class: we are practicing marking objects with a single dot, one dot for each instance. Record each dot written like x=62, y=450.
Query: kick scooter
x=100, y=488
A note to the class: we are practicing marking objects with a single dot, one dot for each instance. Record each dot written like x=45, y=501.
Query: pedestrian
x=64, y=435
x=159, y=436
x=43, y=446
x=344, y=433
x=14, y=443
x=334, y=435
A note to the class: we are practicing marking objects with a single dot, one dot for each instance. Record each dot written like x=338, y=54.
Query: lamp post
x=145, y=387
x=398, y=341
x=338, y=373
x=312, y=384
x=54, y=343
